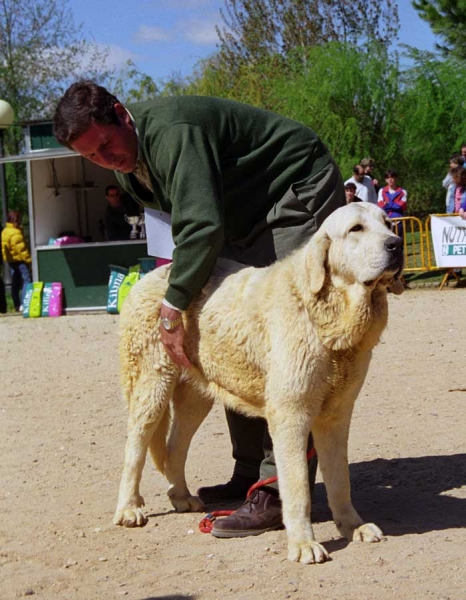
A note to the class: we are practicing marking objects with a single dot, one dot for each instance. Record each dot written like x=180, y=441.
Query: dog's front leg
x=331, y=442
x=290, y=432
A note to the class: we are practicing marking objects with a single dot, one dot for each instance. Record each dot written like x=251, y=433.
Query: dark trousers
x=289, y=225
x=20, y=276
x=2, y=297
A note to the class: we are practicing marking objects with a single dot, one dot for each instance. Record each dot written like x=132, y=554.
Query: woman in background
x=15, y=252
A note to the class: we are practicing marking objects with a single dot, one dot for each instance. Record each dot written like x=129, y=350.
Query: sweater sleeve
x=190, y=169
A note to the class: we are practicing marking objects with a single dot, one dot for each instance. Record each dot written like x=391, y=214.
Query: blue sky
x=167, y=37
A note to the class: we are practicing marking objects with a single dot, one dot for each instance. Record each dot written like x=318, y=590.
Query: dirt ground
x=62, y=435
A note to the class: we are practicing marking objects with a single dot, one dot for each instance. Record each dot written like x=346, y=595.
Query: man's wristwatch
x=170, y=325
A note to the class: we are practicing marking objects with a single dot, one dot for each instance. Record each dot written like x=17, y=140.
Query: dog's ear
x=316, y=260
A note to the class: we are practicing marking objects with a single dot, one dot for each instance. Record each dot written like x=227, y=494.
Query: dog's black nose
x=393, y=244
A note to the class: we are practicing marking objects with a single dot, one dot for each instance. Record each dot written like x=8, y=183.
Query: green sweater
x=218, y=167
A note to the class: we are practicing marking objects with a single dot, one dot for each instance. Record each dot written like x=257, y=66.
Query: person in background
x=392, y=199
x=455, y=161
x=458, y=175
x=368, y=165
x=463, y=151
x=350, y=193
x=118, y=205
x=240, y=183
x=15, y=252
x=364, y=187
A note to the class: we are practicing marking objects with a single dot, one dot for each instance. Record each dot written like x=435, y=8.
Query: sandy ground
x=62, y=435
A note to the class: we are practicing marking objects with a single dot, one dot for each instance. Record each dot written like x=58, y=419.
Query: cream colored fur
x=291, y=342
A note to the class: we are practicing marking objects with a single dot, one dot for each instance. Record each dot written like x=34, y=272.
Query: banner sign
x=449, y=241
x=158, y=234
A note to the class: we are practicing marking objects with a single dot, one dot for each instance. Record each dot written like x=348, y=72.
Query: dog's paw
x=307, y=553
x=188, y=504
x=130, y=517
x=368, y=532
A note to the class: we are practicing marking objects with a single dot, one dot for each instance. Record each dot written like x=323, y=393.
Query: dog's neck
x=350, y=318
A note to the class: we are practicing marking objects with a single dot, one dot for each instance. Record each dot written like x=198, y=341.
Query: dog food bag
x=147, y=265
x=33, y=299
x=126, y=286
x=46, y=294
x=117, y=275
x=56, y=300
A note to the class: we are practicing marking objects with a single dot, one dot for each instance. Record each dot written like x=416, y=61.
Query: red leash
x=205, y=526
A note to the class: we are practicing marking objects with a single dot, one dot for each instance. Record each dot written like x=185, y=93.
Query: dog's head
x=356, y=245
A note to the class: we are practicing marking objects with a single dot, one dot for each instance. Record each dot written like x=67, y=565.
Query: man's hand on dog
x=173, y=340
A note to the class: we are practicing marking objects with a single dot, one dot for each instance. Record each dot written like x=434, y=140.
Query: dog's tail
x=158, y=444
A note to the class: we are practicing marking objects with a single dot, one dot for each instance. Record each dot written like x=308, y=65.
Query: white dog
x=291, y=342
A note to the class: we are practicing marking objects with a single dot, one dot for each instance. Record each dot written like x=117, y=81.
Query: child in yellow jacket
x=15, y=252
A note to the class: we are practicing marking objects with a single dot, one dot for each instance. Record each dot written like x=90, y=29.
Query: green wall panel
x=84, y=271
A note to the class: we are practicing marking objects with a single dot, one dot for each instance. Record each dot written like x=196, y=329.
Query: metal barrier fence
x=417, y=245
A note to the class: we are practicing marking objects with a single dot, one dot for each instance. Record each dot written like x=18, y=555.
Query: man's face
x=359, y=175
x=110, y=146
x=350, y=194
x=113, y=197
x=463, y=151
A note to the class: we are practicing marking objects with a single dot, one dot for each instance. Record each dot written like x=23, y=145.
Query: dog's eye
x=388, y=224
x=356, y=228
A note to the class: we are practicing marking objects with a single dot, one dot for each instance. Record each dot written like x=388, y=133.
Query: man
x=350, y=193
x=368, y=165
x=116, y=226
x=364, y=186
x=241, y=183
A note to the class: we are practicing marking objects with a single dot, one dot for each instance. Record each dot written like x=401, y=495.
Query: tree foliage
x=447, y=19
x=254, y=29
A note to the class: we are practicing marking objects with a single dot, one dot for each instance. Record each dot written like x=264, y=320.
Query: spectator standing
x=393, y=198
x=455, y=161
x=368, y=165
x=364, y=186
x=458, y=175
x=15, y=252
x=350, y=193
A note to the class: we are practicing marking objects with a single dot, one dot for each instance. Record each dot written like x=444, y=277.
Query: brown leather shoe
x=261, y=512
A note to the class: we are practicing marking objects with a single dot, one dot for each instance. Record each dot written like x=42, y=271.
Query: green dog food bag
x=117, y=276
x=32, y=302
x=126, y=286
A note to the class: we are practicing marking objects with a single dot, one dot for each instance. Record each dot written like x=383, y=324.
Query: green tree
x=41, y=50
x=447, y=18
x=257, y=28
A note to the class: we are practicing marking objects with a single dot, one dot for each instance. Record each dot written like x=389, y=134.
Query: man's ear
x=121, y=112
x=316, y=260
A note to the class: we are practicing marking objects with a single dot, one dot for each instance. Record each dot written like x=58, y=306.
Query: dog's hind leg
x=190, y=408
x=148, y=417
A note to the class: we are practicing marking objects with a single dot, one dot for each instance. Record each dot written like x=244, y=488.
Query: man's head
x=390, y=178
x=463, y=151
x=93, y=123
x=350, y=192
x=358, y=173
x=112, y=194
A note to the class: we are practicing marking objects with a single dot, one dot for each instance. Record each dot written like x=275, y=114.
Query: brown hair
x=14, y=216
x=458, y=175
x=83, y=103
